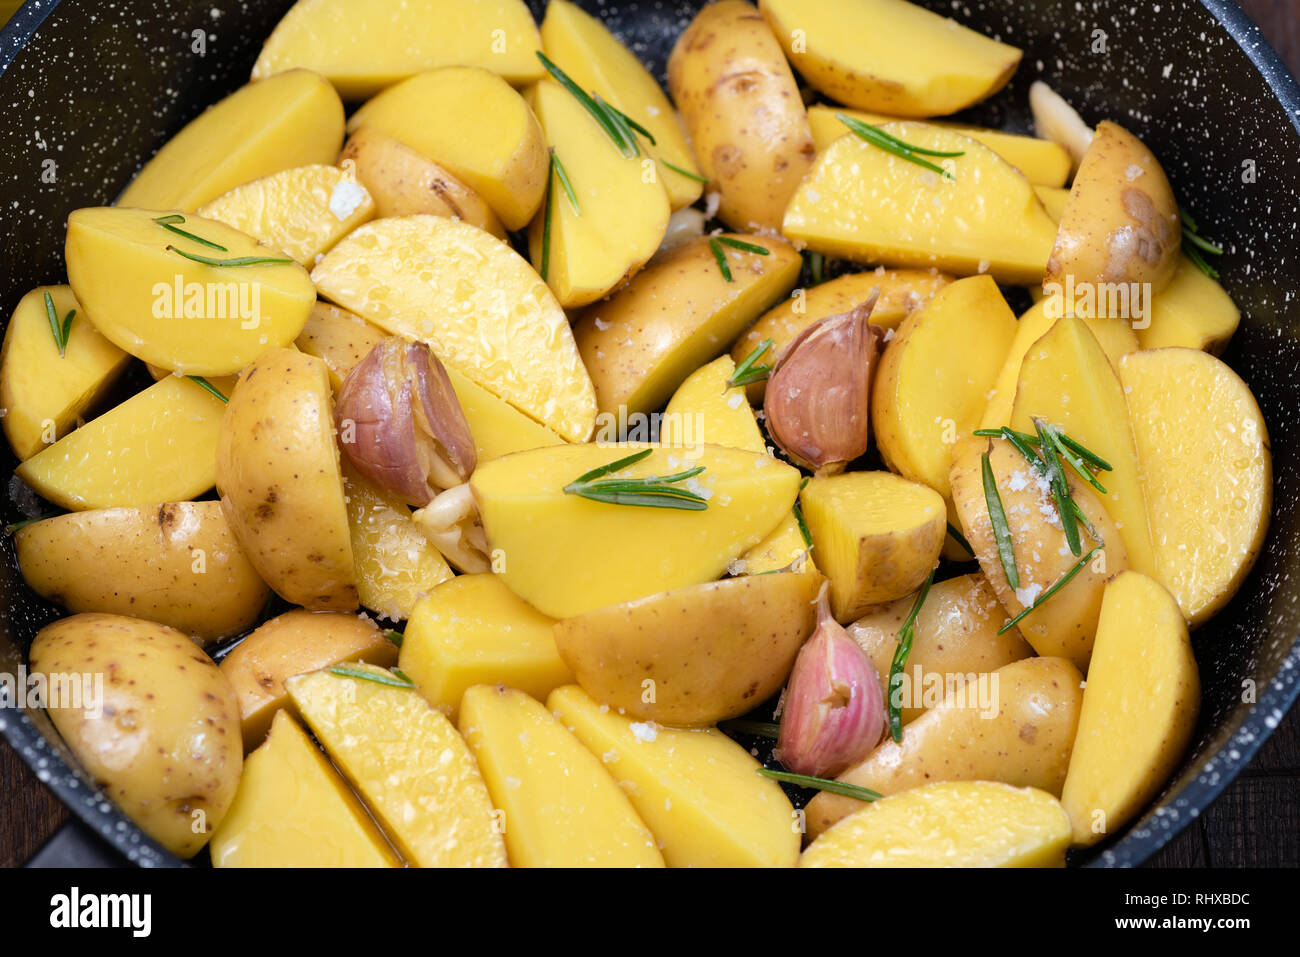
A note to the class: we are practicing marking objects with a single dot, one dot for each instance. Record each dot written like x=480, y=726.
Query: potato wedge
x=177, y=564
x=440, y=114
x=160, y=445
x=407, y=762
x=1067, y=380
x=582, y=47
x=44, y=393
x=566, y=554
x=1121, y=224
x=279, y=481
x=955, y=639
x=1207, y=473
x=743, y=113
x=292, y=120
x=1017, y=729
x=363, y=46
x=1139, y=708
x=290, y=799
x=339, y=338
x=291, y=644
x=694, y=655
x=697, y=790
x=149, y=717
x=705, y=408
x=621, y=214
x=1193, y=312
x=785, y=548
x=476, y=302
x=863, y=203
x=184, y=316
x=949, y=824
x=562, y=807
x=676, y=315
x=1043, y=162
x=303, y=211
x=405, y=182
x=1066, y=624
x=474, y=630
x=890, y=55
x=875, y=535
x=935, y=375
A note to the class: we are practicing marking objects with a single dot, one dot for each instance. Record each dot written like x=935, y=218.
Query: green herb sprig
x=684, y=172
x=900, y=148
x=60, y=330
x=393, y=679
x=821, y=784
x=169, y=223
x=998, y=518
x=1196, y=245
x=750, y=370
x=618, y=126
x=207, y=386
x=717, y=242
x=1055, y=587
x=237, y=261
x=906, y=634
x=652, y=491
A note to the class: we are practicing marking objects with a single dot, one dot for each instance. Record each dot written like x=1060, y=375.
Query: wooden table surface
x=1255, y=822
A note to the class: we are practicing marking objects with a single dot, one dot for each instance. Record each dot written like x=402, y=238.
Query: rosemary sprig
x=749, y=369
x=821, y=784
x=743, y=246
x=237, y=261
x=1011, y=435
x=998, y=518
x=207, y=386
x=955, y=534
x=721, y=258
x=563, y=176
x=603, y=117
x=892, y=144
x=906, y=634
x=1056, y=586
x=391, y=679
x=652, y=491
x=684, y=172
x=1068, y=455
x=1060, y=488
x=760, y=729
x=395, y=636
x=1198, y=244
x=60, y=330
x=619, y=122
x=634, y=124
x=169, y=223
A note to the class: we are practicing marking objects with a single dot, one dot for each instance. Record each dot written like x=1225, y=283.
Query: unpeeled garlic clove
x=834, y=710
x=451, y=522
x=401, y=425
x=818, y=398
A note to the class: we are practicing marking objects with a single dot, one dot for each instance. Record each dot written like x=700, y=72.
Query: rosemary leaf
x=613, y=466
x=821, y=784
x=744, y=246
x=803, y=525
x=721, y=258
x=237, y=261
x=10, y=529
x=1067, y=454
x=684, y=172
x=651, y=491
x=619, y=121
x=1011, y=435
x=1059, y=487
x=600, y=116
x=634, y=124
x=395, y=636
x=892, y=144
x=817, y=266
x=1203, y=244
x=998, y=518
x=207, y=386
x=378, y=677
x=906, y=634
x=760, y=729
x=1199, y=261
x=749, y=370
x=546, y=225
x=1056, y=586
x=955, y=534
x=60, y=330
x=564, y=181
x=169, y=223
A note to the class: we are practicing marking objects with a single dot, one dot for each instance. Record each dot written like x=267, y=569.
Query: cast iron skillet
x=96, y=89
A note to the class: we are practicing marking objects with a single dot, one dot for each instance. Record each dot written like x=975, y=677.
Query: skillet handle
x=75, y=845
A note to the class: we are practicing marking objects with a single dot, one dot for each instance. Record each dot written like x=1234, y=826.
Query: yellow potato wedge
x=697, y=790
x=293, y=119
x=785, y=548
x=694, y=655
x=1206, y=469
x=890, y=55
x=863, y=203
x=338, y=338
x=363, y=46
x=562, y=808
x=675, y=315
x=566, y=554
x=1018, y=729
x=44, y=393
x=949, y=824
x=1193, y=312
x=476, y=302
x=705, y=408
x=875, y=535
x=1139, y=708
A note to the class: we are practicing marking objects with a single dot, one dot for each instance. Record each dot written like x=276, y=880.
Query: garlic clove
x=401, y=425
x=833, y=712
x=451, y=522
x=818, y=399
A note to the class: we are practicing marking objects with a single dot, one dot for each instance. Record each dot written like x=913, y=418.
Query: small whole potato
x=157, y=726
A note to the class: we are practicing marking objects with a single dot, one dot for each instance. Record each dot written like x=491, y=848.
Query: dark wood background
x=1255, y=822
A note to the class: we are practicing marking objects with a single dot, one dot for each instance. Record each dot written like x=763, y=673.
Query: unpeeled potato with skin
x=280, y=482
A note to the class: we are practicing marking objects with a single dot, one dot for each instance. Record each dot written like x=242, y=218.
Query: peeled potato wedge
x=863, y=203
x=694, y=655
x=1206, y=469
x=875, y=535
x=1193, y=312
x=44, y=393
x=784, y=549
x=293, y=119
x=1018, y=730
x=441, y=115
x=476, y=302
x=890, y=55
x=949, y=824
x=566, y=554
x=1138, y=712
x=621, y=214
x=706, y=409
x=363, y=46
x=675, y=315
x=180, y=315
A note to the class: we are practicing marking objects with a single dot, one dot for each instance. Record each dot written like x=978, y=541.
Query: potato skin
x=743, y=113
x=177, y=564
x=166, y=748
x=279, y=477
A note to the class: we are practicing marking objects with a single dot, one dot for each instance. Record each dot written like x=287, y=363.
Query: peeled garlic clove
x=451, y=522
x=1058, y=121
x=834, y=710
x=818, y=398
x=401, y=425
